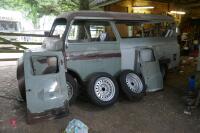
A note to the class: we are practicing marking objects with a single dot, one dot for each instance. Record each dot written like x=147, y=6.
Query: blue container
x=192, y=82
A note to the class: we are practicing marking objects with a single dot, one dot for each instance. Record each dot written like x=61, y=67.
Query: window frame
x=92, y=42
x=33, y=65
x=54, y=26
x=141, y=23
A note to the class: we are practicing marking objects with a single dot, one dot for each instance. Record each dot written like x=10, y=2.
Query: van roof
x=115, y=16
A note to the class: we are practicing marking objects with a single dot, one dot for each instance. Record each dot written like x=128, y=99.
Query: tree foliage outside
x=35, y=9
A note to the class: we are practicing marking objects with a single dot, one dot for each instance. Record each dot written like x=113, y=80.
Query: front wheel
x=103, y=89
x=132, y=85
x=72, y=88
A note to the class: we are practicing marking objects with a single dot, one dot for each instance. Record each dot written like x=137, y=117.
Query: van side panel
x=89, y=58
x=165, y=48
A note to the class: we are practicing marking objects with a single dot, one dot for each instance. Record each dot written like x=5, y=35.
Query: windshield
x=9, y=26
x=59, y=27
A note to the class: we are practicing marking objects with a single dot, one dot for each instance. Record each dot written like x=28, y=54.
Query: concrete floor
x=160, y=112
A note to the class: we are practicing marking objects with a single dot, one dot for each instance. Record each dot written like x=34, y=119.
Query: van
x=97, y=53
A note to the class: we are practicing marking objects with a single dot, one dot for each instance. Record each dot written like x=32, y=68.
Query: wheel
x=132, y=85
x=163, y=69
x=22, y=88
x=72, y=88
x=103, y=89
x=21, y=81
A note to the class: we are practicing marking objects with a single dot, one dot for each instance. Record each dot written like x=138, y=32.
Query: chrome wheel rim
x=104, y=89
x=70, y=90
x=134, y=83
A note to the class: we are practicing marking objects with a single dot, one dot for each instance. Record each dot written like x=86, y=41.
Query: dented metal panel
x=46, y=90
x=150, y=68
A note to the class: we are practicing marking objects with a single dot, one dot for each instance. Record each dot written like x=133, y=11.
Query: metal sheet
x=46, y=93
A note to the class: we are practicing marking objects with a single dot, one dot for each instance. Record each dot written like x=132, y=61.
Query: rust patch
x=93, y=56
x=51, y=114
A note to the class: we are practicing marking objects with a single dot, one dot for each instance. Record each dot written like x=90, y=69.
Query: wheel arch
x=164, y=61
x=74, y=74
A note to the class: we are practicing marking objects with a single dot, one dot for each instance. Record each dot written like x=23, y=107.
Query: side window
x=163, y=29
x=129, y=29
x=59, y=27
x=91, y=31
x=147, y=55
x=135, y=29
x=44, y=65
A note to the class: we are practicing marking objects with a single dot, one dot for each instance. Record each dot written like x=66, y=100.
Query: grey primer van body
x=97, y=47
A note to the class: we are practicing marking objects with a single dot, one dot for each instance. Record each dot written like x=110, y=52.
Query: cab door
x=46, y=88
x=150, y=69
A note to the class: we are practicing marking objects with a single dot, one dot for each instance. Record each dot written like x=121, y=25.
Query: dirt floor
x=160, y=112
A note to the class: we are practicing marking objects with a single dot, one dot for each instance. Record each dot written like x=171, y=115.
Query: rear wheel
x=132, y=85
x=103, y=89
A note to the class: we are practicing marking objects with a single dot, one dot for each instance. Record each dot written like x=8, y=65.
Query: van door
x=46, y=87
x=150, y=69
x=94, y=49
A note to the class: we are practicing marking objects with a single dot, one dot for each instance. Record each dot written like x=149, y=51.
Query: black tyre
x=22, y=88
x=103, y=89
x=132, y=85
x=73, y=88
x=163, y=69
x=21, y=81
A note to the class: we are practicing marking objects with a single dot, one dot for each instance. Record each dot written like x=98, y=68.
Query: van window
x=90, y=31
x=136, y=29
x=147, y=55
x=59, y=27
x=44, y=65
x=163, y=29
x=129, y=29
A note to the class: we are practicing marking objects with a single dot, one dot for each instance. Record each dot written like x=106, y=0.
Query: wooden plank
x=21, y=34
x=9, y=59
x=11, y=51
x=25, y=34
x=13, y=43
x=23, y=43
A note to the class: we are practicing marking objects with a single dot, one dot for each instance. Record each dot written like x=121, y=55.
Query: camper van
x=98, y=53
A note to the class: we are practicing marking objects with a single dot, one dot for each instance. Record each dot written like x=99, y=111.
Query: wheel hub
x=104, y=89
x=134, y=83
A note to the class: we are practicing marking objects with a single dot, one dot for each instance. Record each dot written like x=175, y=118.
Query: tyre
x=103, y=89
x=21, y=81
x=132, y=85
x=22, y=88
x=163, y=69
x=72, y=88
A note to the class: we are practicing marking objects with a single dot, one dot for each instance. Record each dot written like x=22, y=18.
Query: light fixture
x=143, y=7
x=177, y=12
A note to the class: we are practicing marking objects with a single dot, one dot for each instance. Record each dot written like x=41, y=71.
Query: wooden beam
x=21, y=34
x=9, y=59
x=11, y=51
x=13, y=43
x=23, y=43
